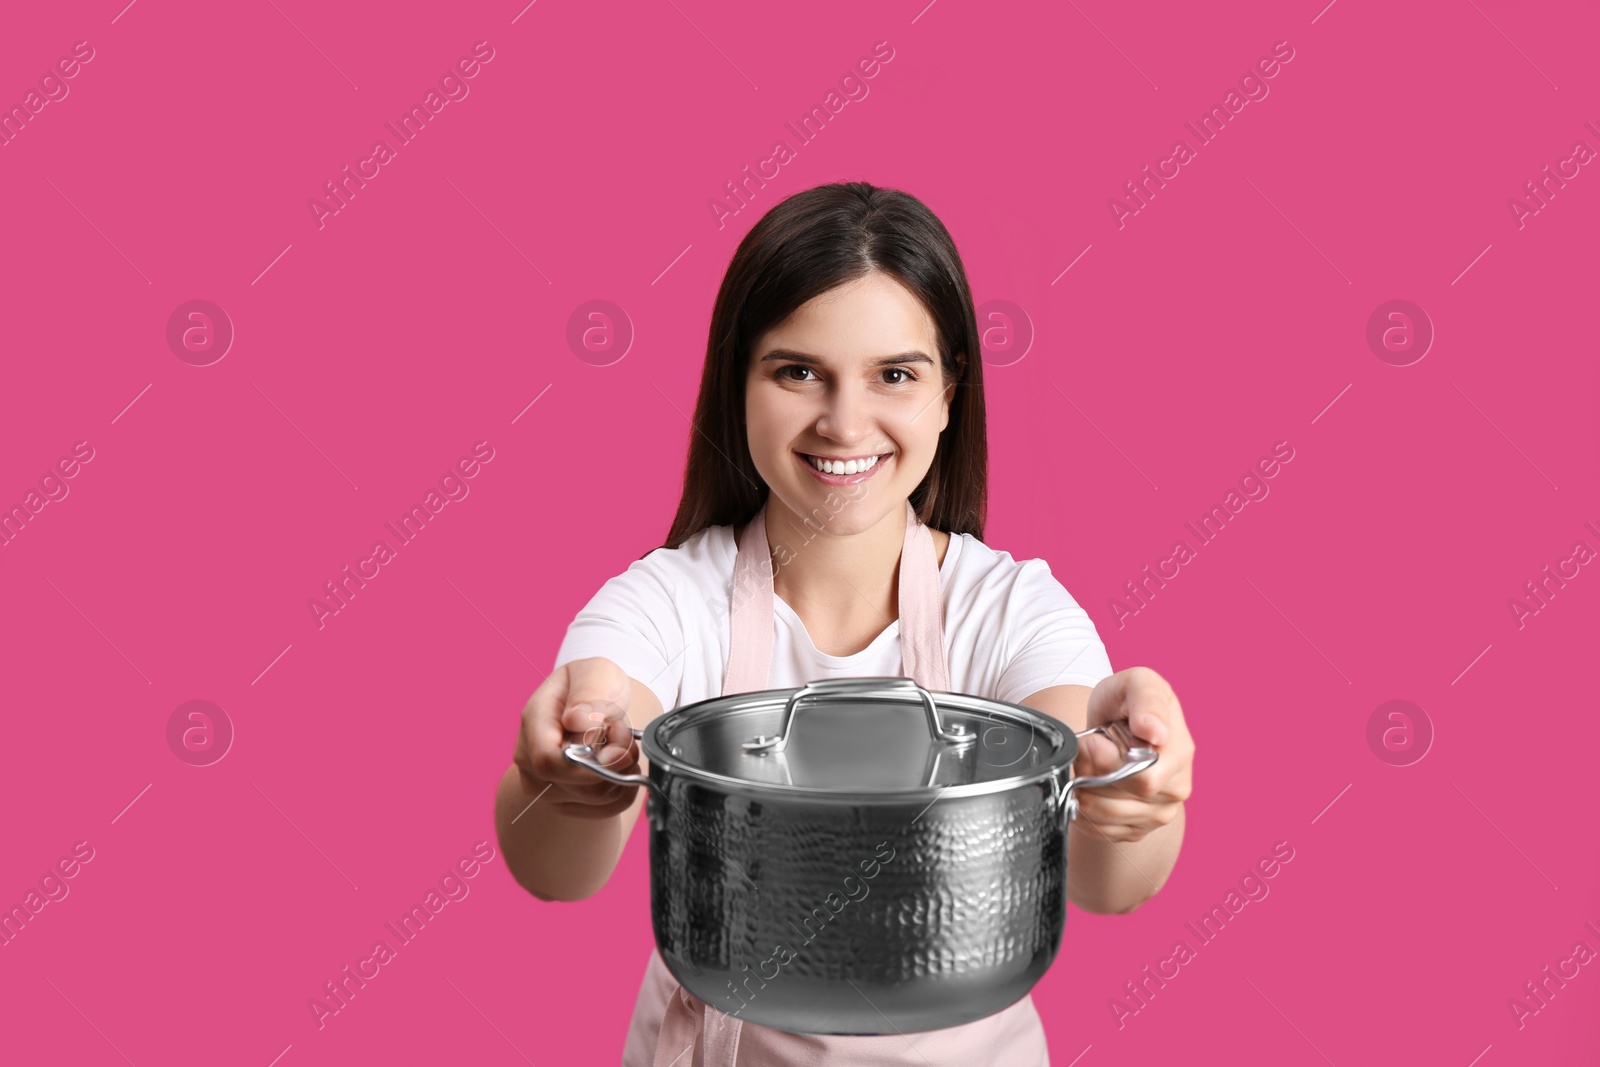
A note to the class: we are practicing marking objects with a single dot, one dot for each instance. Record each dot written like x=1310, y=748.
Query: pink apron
x=671, y=1027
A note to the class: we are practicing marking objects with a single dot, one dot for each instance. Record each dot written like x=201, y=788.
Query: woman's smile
x=843, y=470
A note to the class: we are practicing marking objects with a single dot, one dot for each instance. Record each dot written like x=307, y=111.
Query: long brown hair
x=806, y=245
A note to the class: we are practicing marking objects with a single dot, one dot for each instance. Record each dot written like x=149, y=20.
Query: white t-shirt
x=1010, y=628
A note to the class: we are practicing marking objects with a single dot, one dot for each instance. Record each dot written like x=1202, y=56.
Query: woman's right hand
x=582, y=702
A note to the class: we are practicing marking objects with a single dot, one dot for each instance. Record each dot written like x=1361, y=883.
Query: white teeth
x=849, y=466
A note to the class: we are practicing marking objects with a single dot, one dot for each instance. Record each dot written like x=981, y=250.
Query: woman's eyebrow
x=914, y=356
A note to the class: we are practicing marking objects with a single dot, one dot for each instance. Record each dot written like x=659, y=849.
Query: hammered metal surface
x=769, y=908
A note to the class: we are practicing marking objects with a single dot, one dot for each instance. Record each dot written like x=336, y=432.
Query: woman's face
x=851, y=377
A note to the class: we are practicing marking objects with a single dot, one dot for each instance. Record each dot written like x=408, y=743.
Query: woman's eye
x=794, y=370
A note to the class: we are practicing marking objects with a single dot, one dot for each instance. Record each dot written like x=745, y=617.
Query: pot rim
x=1046, y=771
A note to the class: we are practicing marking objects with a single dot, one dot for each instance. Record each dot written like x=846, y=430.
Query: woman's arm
x=566, y=853
x=1111, y=878
x=561, y=827
x=1125, y=841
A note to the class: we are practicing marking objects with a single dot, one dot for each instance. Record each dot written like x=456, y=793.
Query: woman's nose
x=847, y=418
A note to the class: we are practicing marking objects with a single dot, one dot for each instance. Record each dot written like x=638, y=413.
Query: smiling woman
x=830, y=527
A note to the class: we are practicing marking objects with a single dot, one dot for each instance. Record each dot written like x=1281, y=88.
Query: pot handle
x=956, y=734
x=1136, y=757
x=583, y=756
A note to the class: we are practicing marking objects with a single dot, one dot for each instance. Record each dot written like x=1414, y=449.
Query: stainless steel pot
x=859, y=855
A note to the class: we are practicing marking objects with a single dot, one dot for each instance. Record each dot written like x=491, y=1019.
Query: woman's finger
x=1144, y=698
x=1151, y=705
x=599, y=683
x=1155, y=784
x=541, y=716
x=1116, y=811
x=1111, y=810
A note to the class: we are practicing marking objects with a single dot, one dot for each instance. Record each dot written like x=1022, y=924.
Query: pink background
x=1227, y=315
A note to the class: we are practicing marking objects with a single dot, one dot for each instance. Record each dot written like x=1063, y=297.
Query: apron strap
x=691, y=1022
x=749, y=655
x=921, y=603
x=922, y=609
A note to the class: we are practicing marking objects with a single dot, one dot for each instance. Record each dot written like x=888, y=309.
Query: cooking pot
x=859, y=855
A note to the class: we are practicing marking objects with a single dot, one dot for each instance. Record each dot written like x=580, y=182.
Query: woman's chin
x=839, y=510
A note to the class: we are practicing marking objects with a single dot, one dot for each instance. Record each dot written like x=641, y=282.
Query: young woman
x=831, y=525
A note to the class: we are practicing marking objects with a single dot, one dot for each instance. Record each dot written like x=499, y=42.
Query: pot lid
x=861, y=735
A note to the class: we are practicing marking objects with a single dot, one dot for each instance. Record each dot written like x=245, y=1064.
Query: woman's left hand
x=1141, y=803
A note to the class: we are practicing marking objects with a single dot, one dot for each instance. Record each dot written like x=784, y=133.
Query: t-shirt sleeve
x=1049, y=639
x=634, y=622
